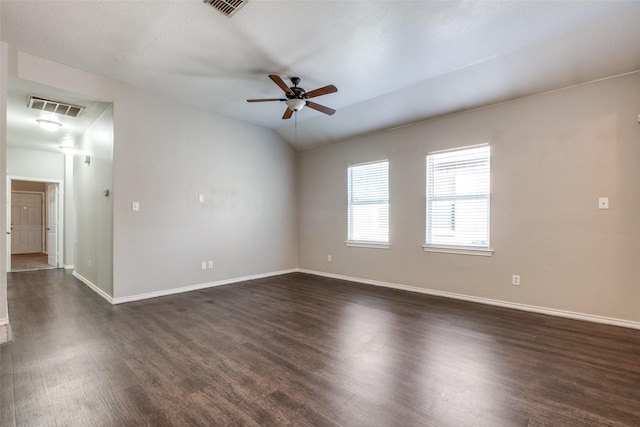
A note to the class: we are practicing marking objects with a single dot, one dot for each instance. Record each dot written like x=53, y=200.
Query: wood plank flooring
x=23, y=262
x=301, y=350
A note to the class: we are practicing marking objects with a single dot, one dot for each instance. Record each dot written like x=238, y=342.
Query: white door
x=26, y=223
x=52, y=224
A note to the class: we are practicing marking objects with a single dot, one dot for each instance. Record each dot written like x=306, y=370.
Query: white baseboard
x=487, y=301
x=523, y=307
x=93, y=287
x=68, y=267
x=5, y=331
x=173, y=291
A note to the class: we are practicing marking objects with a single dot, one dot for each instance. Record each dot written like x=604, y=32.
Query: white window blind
x=368, y=202
x=458, y=207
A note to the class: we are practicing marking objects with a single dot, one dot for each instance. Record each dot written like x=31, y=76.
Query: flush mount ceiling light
x=49, y=125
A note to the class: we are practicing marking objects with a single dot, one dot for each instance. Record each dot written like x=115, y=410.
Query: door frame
x=60, y=226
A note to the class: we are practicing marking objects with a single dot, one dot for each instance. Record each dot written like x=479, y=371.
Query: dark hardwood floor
x=302, y=350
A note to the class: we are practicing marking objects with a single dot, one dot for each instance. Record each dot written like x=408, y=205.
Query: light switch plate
x=135, y=206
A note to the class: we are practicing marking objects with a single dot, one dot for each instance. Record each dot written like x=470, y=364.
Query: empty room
x=320, y=213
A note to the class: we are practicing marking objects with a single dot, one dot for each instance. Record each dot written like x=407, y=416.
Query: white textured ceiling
x=394, y=62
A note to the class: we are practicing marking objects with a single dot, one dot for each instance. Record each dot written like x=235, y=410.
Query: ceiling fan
x=297, y=98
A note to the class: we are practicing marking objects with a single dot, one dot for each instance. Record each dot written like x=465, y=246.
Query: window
x=458, y=200
x=368, y=204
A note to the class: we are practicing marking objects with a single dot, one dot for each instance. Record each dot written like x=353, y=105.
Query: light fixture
x=49, y=125
x=296, y=104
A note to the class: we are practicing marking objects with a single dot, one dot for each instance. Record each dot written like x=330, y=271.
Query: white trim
x=68, y=267
x=368, y=163
x=361, y=244
x=487, y=301
x=6, y=332
x=448, y=150
x=93, y=287
x=180, y=290
x=458, y=250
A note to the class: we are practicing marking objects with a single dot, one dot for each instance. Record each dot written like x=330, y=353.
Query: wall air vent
x=226, y=7
x=57, y=107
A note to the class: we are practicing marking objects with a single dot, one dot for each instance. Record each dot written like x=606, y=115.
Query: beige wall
x=93, y=258
x=37, y=164
x=166, y=155
x=553, y=155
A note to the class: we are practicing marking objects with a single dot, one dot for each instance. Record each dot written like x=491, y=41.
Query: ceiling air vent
x=226, y=7
x=57, y=107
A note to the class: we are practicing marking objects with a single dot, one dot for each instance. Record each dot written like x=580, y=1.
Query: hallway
x=26, y=262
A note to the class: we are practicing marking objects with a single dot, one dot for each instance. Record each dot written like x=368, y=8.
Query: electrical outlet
x=210, y=265
x=89, y=264
x=603, y=203
x=328, y=258
x=515, y=280
x=204, y=265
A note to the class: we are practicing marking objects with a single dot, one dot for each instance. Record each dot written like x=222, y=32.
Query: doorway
x=35, y=239
x=27, y=224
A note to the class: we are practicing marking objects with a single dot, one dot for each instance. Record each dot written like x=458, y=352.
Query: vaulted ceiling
x=394, y=62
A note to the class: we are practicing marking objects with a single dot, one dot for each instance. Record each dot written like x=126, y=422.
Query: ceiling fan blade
x=265, y=100
x=287, y=114
x=320, y=108
x=277, y=80
x=322, y=91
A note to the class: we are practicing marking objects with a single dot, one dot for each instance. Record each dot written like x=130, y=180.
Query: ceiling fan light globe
x=296, y=104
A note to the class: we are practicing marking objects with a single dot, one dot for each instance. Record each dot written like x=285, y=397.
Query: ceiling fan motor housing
x=296, y=99
x=298, y=92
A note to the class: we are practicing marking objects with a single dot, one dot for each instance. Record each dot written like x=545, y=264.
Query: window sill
x=374, y=245
x=461, y=250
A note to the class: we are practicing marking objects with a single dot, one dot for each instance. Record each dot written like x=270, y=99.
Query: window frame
x=481, y=250
x=364, y=242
